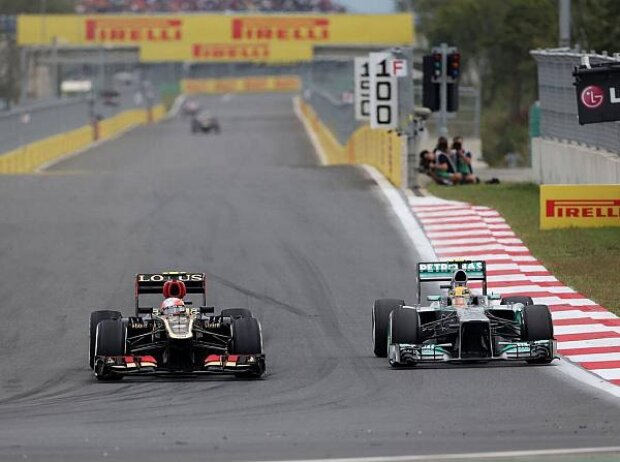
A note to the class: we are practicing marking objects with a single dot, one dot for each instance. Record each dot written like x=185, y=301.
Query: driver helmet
x=174, y=306
x=460, y=296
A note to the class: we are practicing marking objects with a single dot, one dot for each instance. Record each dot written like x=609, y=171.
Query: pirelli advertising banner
x=218, y=38
x=579, y=206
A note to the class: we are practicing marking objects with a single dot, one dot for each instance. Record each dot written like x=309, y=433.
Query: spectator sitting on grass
x=428, y=164
x=427, y=161
x=463, y=160
x=445, y=167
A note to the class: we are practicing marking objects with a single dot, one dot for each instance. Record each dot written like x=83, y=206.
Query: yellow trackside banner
x=579, y=206
x=228, y=52
x=191, y=37
x=259, y=84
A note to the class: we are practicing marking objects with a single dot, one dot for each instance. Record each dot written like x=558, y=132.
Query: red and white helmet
x=174, y=288
x=172, y=306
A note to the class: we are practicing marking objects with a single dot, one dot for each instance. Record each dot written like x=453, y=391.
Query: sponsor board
x=189, y=37
x=598, y=92
x=259, y=52
x=579, y=206
x=437, y=271
x=161, y=277
x=242, y=85
x=383, y=92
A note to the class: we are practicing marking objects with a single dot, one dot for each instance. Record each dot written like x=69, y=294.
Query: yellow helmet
x=460, y=296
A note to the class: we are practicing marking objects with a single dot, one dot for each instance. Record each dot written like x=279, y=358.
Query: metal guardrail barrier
x=558, y=102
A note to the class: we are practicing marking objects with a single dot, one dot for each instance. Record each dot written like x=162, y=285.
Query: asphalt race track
x=308, y=248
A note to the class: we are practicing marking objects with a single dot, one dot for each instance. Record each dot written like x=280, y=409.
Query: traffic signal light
x=437, y=66
x=454, y=65
x=430, y=90
x=431, y=83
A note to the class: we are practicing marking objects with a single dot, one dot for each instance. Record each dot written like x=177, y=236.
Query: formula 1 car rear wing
x=476, y=270
x=195, y=283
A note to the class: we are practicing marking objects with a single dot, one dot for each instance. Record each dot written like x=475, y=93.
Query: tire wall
x=378, y=148
x=32, y=156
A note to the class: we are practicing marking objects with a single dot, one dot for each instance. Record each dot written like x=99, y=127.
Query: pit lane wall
x=33, y=156
x=378, y=148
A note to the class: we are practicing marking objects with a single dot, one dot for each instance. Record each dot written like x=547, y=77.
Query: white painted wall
x=556, y=162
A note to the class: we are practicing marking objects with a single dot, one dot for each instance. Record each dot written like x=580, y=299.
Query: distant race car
x=174, y=337
x=190, y=107
x=460, y=326
x=205, y=122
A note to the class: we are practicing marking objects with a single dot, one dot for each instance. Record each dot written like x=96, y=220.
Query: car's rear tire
x=236, y=313
x=110, y=340
x=404, y=326
x=380, y=321
x=523, y=299
x=537, y=325
x=95, y=318
x=247, y=339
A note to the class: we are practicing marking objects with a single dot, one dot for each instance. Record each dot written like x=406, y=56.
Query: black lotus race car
x=205, y=122
x=191, y=340
x=460, y=326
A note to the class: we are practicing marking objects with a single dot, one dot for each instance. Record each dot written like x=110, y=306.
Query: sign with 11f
x=362, y=89
x=383, y=92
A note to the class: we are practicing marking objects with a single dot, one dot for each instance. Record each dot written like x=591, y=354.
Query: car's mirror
x=493, y=296
x=207, y=309
x=433, y=298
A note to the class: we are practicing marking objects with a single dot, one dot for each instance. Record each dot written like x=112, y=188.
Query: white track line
x=470, y=456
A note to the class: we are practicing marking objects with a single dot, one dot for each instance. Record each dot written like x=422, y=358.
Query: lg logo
x=592, y=97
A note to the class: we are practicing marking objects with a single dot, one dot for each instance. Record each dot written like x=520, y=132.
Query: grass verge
x=586, y=259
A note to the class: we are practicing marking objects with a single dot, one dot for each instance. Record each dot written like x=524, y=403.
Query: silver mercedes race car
x=459, y=326
x=174, y=337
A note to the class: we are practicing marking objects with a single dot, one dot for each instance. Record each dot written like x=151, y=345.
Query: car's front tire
x=247, y=339
x=404, y=328
x=95, y=318
x=110, y=340
x=380, y=321
x=537, y=325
